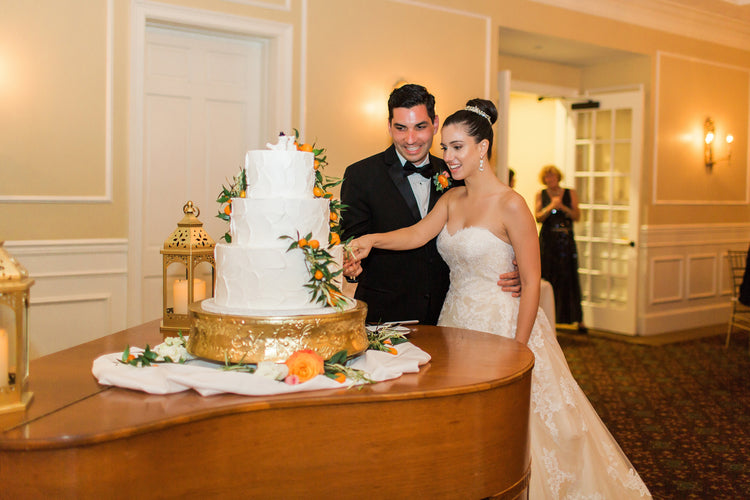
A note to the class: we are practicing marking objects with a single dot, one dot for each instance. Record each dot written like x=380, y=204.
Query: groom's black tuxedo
x=396, y=285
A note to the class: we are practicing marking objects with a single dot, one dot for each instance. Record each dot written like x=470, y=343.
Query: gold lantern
x=189, y=271
x=14, y=335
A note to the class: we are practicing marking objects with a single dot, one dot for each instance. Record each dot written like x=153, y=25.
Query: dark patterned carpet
x=681, y=411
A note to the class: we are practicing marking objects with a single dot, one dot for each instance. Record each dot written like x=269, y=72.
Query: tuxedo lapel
x=395, y=171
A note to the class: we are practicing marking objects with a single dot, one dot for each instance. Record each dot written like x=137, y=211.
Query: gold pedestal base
x=252, y=339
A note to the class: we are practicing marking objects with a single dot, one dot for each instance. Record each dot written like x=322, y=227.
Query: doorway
x=205, y=88
x=599, y=151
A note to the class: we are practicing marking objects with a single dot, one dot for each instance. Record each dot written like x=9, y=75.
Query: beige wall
x=54, y=116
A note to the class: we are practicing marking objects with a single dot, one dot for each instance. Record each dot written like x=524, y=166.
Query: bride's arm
x=523, y=236
x=408, y=237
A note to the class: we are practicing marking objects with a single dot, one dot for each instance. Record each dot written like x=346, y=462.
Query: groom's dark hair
x=408, y=96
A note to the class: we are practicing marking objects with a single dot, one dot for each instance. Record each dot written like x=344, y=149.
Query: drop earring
x=481, y=164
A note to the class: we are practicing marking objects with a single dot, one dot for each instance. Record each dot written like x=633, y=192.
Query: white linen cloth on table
x=208, y=378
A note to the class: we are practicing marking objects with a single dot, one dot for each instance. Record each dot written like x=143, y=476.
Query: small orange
x=340, y=378
x=388, y=342
x=305, y=147
x=316, y=164
x=314, y=244
x=302, y=242
x=333, y=297
x=317, y=192
x=334, y=216
x=131, y=357
x=228, y=208
x=335, y=239
x=318, y=274
x=242, y=194
x=392, y=351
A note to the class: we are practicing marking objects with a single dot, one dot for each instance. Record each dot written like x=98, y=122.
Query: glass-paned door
x=607, y=163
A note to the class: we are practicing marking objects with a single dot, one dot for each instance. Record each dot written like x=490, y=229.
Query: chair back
x=737, y=260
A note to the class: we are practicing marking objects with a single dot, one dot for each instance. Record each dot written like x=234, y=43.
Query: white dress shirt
x=420, y=185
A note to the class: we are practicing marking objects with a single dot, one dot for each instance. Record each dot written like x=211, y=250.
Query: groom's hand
x=511, y=282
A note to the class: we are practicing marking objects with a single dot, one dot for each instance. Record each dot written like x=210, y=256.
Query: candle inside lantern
x=3, y=358
x=181, y=294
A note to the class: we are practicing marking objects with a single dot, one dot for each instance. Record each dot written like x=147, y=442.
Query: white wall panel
x=80, y=290
x=685, y=277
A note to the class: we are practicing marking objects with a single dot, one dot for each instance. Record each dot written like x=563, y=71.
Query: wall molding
x=79, y=291
x=487, y=32
x=694, y=266
x=108, y=133
x=145, y=12
x=286, y=5
x=655, y=167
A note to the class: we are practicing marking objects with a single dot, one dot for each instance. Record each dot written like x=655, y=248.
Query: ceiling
x=557, y=50
x=699, y=16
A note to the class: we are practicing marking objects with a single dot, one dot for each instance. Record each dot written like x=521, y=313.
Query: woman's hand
x=360, y=248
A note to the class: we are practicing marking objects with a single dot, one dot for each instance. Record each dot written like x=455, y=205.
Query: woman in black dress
x=557, y=209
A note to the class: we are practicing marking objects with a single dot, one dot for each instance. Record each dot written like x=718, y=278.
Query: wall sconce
x=709, y=136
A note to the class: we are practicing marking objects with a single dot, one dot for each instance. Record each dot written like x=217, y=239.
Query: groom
x=395, y=189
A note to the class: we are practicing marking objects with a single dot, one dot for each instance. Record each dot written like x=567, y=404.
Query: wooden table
x=458, y=428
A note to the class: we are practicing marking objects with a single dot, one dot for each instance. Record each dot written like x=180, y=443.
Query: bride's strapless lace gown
x=573, y=454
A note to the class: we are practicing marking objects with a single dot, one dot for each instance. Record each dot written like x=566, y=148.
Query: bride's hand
x=361, y=247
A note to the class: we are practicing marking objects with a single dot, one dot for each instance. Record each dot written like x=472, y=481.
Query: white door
x=204, y=105
x=607, y=166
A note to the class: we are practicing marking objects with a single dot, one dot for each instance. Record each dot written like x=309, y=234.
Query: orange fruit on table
x=314, y=244
x=305, y=147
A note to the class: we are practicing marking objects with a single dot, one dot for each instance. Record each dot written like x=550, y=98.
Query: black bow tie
x=425, y=171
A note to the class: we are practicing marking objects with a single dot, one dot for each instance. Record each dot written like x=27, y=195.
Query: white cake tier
x=279, y=174
x=261, y=278
x=259, y=223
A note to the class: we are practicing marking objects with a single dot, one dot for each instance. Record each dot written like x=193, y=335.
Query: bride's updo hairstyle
x=477, y=119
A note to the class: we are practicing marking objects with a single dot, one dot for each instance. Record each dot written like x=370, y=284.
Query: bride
x=481, y=227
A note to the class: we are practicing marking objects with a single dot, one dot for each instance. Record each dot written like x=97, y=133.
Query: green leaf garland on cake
x=236, y=189
x=320, y=262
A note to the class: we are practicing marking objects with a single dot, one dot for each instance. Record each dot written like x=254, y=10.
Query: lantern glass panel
x=204, y=273
x=8, y=347
x=176, y=288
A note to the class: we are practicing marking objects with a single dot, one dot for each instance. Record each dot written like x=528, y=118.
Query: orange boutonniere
x=442, y=180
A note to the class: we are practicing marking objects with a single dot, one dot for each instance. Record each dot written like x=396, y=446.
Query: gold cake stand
x=252, y=339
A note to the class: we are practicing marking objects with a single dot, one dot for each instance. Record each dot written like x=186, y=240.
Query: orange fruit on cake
x=305, y=147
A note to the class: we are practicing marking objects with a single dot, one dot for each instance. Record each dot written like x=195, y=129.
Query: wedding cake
x=255, y=274
x=277, y=276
